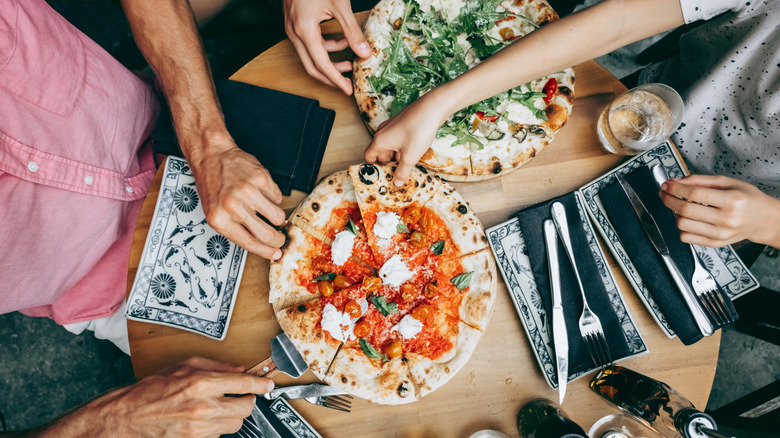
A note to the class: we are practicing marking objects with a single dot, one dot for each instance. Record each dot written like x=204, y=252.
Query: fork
x=341, y=403
x=707, y=292
x=590, y=326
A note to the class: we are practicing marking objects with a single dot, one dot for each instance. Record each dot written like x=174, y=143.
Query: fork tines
x=707, y=293
x=596, y=343
x=339, y=402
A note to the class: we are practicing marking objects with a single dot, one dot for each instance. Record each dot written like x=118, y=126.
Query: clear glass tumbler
x=620, y=426
x=640, y=119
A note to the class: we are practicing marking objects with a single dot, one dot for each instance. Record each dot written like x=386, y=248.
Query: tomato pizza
x=420, y=44
x=384, y=290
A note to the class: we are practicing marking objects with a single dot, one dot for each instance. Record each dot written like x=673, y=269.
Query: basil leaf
x=383, y=306
x=437, y=247
x=462, y=281
x=351, y=227
x=368, y=349
x=328, y=276
x=402, y=228
x=385, y=358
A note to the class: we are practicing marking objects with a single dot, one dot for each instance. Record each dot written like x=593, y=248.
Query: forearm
x=561, y=44
x=167, y=36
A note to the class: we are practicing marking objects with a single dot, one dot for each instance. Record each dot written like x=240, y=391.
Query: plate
x=724, y=264
x=506, y=241
x=188, y=274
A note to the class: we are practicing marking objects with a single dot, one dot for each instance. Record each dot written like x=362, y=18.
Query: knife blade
x=657, y=240
x=284, y=358
x=303, y=391
x=560, y=337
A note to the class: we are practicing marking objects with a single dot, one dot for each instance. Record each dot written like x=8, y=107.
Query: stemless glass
x=620, y=426
x=640, y=119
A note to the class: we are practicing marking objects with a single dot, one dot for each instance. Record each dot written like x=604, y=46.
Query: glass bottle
x=542, y=418
x=653, y=403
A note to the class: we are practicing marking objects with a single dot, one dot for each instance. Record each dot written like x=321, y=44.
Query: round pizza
x=420, y=44
x=384, y=290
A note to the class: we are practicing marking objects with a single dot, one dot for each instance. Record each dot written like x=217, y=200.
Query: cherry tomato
x=418, y=239
x=372, y=284
x=362, y=329
x=341, y=282
x=485, y=118
x=393, y=349
x=426, y=220
x=431, y=290
x=412, y=214
x=549, y=89
x=325, y=287
x=422, y=312
x=408, y=292
x=352, y=308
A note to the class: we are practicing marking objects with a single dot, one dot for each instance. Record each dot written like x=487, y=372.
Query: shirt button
x=89, y=180
x=129, y=189
x=32, y=166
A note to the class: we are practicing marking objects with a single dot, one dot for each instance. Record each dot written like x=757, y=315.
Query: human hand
x=236, y=193
x=715, y=210
x=406, y=137
x=302, y=24
x=196, y=398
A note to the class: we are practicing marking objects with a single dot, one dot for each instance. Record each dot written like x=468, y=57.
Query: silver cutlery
x=341, y=403
x=315, y=393
x=704, y=285
x=656, y=239
x=590, y=326
x=560, y=338
x=284, y=358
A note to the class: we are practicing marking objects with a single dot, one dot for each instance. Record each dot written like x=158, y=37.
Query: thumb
x=352, y=32
x=402, y=172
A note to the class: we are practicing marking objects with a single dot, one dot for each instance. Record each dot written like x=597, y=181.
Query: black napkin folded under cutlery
x=287, y=133
x=646, y=260
x=531, y=223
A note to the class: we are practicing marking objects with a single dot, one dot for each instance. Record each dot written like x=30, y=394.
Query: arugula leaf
x=383, y=306
x=369, y=349
x=527, y=99
x=401, y=227
x=437, y=247
x=351, y=227
x=327, y=276
x=462, y=134
x=462, y=281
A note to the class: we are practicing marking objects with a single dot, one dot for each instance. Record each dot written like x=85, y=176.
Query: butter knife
x=560, y=338
x=303, y=391
x=656, y=238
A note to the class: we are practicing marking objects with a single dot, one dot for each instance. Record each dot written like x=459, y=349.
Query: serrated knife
x=560, y=337
x=656, y=238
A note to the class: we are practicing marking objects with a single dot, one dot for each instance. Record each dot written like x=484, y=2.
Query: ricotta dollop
x=408, y=327
x=394, y=272
x=339, y=324
x=341, y=248
x=386, y=224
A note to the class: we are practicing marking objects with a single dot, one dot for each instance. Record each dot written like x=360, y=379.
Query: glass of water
x=640, y=119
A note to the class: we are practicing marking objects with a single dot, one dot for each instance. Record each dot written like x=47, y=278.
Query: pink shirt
x=74, y=166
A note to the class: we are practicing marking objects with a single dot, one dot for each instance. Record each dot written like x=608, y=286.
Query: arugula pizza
x=420, y=44
x=384, y=290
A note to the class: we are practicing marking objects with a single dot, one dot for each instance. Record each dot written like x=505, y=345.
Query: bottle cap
x=559, y=427
x=688, y=421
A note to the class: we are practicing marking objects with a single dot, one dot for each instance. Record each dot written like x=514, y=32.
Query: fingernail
x=664, y=186
x=398, y=182
x=364, y=48
x=277, y=254
x=271, y=386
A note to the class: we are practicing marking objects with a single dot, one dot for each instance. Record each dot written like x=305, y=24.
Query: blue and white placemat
x=188, y=275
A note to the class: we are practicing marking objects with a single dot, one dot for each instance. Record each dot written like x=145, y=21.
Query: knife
x=303, y=391
x=656, y=238
x=284, y=358
x=560, y=338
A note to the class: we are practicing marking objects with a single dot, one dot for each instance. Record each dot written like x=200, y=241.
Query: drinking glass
x=640, y=119
x=620, y=426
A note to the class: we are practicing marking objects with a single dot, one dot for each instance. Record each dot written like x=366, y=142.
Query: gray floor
x=45, y=371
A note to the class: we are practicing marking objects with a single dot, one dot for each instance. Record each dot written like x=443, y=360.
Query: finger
x=695, y=239
x=236, y=407
x=704, y=229
x=402, y=172
x=703, y=194
x=322, y=62
x=238, y=383
x=264, y=233
x=269, y=210
x=712, y=181
x=690, y=210
x=308, y=62
x=385, y=156
x=336, y=45
x=352, y=31
x=272, y=192
x=242, y=237
x=343, y=66
x=202, y=363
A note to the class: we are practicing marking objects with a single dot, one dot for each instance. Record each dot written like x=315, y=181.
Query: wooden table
x=502, y=373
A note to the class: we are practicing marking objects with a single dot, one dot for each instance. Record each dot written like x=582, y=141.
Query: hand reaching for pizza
x=302, y=24
x=189, y=399
x=406, y=137
x=237, y=192
x=716, y=210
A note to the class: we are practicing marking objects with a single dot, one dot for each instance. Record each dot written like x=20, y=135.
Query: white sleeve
x=695, y=10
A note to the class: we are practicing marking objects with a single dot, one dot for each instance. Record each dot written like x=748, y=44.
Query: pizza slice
x=473, y=277
x=302, y=324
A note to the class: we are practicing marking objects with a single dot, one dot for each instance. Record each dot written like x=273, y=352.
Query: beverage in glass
x=640, y=119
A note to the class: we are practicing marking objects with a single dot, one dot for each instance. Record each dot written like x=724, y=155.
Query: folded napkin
x=287, y=133
x=277, y=420
x=647, y=261
x=531, y=220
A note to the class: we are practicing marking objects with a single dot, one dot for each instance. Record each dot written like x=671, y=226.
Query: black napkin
x=531, y=223
x=287, y=133
x=250, y=429
x=647, y=261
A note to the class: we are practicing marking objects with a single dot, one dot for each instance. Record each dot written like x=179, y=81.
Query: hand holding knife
x=560, y=337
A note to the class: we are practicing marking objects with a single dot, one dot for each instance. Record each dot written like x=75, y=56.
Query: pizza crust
x=301, y=323
x=283, y=277
x=387, y=383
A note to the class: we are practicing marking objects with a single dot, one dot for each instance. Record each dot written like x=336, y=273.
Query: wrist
x=769, y=233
